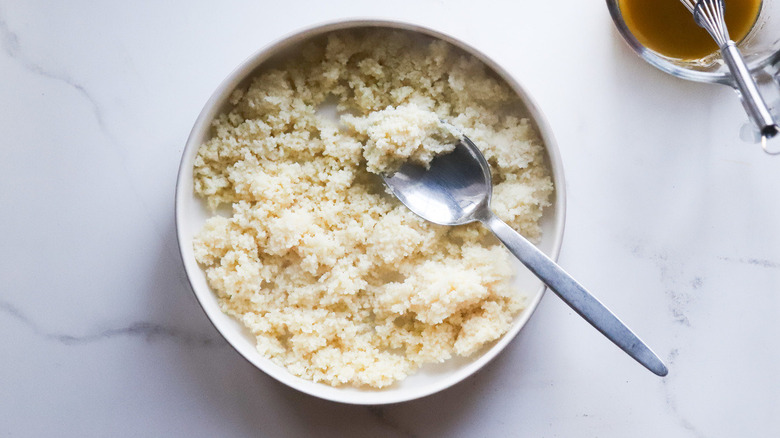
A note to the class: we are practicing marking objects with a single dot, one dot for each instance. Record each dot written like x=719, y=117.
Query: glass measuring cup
x=760, y=49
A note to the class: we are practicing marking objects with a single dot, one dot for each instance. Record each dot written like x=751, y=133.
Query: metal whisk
x=708, y=14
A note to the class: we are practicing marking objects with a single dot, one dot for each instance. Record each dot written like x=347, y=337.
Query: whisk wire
x=690, y=4
x=709, y=15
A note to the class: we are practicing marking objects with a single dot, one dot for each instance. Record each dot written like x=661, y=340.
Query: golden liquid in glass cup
x=668, y=28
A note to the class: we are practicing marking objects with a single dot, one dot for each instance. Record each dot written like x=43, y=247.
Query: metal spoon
x=456, y=190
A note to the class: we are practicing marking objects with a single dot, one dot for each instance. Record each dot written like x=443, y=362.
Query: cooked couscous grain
x=336, y=279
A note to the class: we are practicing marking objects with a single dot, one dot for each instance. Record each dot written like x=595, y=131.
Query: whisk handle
x=754, y=104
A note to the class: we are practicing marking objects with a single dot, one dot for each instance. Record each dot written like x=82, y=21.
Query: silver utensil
x=708, y=14
x=456, y=190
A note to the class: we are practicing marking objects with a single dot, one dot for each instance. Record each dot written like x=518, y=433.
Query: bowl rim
x=244, y=70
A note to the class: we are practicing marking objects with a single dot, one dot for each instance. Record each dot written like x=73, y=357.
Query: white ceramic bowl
x=191, y=214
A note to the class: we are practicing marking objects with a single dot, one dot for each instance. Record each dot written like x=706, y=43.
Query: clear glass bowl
x=761, y=50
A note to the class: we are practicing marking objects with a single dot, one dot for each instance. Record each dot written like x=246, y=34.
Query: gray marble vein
x=679, y=294
x=671, y=399
x=656, y=175
x=11, y=46
x=759, y=263
x=141, y=329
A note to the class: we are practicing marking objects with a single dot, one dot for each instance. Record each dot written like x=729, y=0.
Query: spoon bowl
x=456, y=190
x=453, y=191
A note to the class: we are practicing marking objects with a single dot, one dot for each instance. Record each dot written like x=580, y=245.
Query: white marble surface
x=672, y=221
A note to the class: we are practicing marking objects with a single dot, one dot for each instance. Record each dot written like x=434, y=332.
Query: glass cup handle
x=768, y=81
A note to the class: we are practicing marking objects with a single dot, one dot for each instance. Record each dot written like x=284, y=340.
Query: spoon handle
x=573, y=294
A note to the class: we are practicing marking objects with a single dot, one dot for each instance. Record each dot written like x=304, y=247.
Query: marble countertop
x=672, y=221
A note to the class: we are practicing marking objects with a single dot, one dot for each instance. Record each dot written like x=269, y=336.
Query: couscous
x=337, y=280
